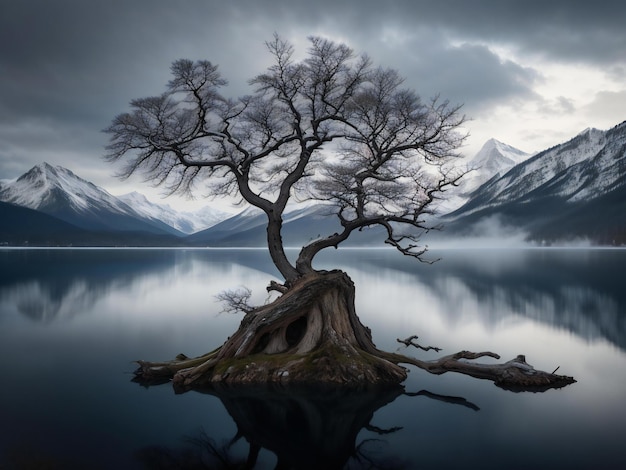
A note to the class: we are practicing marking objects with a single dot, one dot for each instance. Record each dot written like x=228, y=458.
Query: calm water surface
x=72, y=322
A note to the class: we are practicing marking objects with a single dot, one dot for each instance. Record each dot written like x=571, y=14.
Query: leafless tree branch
x=330, y=128
x=236, y=300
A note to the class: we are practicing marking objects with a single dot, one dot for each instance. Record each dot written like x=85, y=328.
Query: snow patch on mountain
x=186, y=221
x=494, y=159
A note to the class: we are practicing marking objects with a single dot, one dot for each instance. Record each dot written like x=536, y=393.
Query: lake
x=73, y=320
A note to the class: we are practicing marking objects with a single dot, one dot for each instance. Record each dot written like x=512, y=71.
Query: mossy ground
x=328, y=364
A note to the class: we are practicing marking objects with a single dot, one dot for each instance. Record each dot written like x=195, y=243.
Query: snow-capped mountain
x=494, y=159
x=558, y=171
x=575, y=190
x=186, y=222
x=57, y=191
x=557, y=192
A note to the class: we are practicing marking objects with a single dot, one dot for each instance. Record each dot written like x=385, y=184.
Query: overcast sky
x=529, y=73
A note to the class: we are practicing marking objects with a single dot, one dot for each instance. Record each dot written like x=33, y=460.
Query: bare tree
x=330, y=128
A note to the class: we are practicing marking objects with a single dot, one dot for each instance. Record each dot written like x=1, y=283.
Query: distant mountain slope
x=58, y=192
x=572, y=190
x=248, y=228
x=601, y=220
x=186, y=222
x=244, y=229
x=22, y=226
x=301, y=225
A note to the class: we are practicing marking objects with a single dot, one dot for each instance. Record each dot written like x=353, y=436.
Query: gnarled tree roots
x=311, y=334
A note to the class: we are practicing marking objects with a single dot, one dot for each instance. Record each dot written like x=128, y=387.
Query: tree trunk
x=311, y=334
x=276, y=246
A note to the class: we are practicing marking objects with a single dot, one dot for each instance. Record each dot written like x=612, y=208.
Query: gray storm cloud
x=68, y=67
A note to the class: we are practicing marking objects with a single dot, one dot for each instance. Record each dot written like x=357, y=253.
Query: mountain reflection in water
x=578, y=290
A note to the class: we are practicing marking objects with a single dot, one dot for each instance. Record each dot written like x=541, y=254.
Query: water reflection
x=303, y=427
x=74, y=320
x=580, y=291
x=577, y=290
x=48, y=285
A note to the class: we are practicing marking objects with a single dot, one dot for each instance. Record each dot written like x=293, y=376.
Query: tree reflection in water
x=305, y=427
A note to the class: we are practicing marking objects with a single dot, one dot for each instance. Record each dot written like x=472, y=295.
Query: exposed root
x=155, y=370
x=311, y=334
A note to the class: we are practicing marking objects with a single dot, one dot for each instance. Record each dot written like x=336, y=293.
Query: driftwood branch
x=410, y=341
x=515, y=375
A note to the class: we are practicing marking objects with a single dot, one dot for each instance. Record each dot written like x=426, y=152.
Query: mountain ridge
x=58, y=192
x=576, y=189
x=556, y=184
